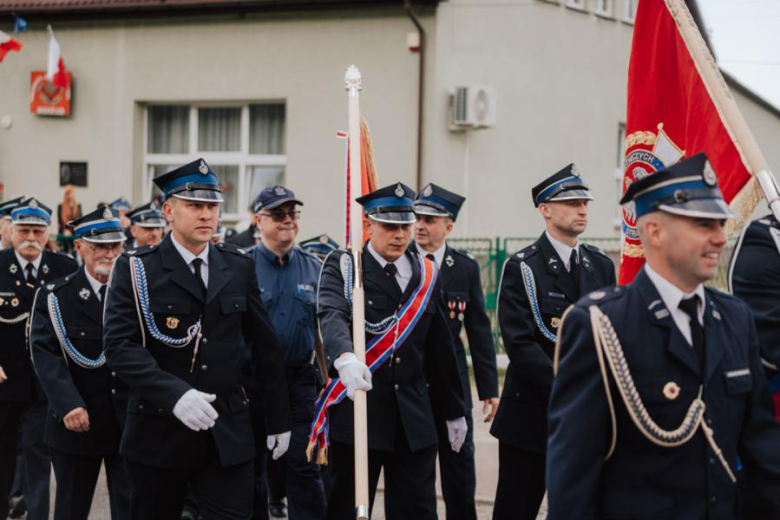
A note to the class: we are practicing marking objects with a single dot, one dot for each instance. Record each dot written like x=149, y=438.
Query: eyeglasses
x=114, y=247
x=280, y=216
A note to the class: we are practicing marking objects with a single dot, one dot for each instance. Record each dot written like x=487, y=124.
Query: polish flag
x=55, y=70
x=8, y=44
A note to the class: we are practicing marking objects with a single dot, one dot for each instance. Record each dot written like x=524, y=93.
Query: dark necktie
x=430, y=257
x=690, y=307
x=198, y=276
x=391, y=271
x=30, y=277
x=102, y=293
x=574, y=267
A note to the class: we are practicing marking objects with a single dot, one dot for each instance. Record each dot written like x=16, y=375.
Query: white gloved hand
x=354, y=374
x=456, y=433
x=193, y=409
x=281, y=442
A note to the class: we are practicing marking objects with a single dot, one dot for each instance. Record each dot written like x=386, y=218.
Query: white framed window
x=575, y=4
x=604, y=8
x=244, y=143
x=628, y=10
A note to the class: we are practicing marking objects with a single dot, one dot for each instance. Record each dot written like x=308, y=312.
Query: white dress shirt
x=95, y=284
x=672, y=296
x=404, y=266
x=22, y=262
x=563, y=250
x=438, y=255
x=188, y=257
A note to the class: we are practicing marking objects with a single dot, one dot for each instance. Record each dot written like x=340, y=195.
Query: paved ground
x=487, y=476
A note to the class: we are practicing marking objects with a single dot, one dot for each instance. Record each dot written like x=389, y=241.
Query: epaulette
x=594, y=249
x=768, y=220
x=140, y=251
x=527, y=252
x=64, y=254
x=232, y=248
x=602, y=295
x=467, y=254
x=58, y=283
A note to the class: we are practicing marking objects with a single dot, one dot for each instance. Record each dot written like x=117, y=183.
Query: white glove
x=282, y=443
x=354, y=374
x=193, y=409
x=456, y=433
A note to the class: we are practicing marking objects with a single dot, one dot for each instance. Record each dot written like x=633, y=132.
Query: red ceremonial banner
x=672, y=114
x=48, y=98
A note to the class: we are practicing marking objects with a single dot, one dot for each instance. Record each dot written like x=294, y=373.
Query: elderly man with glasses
x=288, y=278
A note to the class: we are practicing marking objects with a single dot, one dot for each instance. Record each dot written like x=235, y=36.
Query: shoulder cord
x=530, y=289
x=372, y=328
x=68, y=349
x=141, y=294
x=607, y=344
x=14, y=321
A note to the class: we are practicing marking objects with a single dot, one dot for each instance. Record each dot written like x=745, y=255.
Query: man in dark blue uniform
x=176, y=315
x=437, y=210
x=754, y=276
x=402, y=436
x=147, y=225
x=87, y=402
x=660, y=387
x=288, y=279
x=537, y=285
x=23, y=269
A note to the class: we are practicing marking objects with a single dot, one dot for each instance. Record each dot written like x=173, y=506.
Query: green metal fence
x=491, y=253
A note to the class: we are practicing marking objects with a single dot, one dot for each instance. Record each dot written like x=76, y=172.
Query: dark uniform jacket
x=69, y=386
x=400, y=394
x=461, y=284
x=158, y=375
x=245, y=239
x=754, y=276
x=16, y=299
x=643, y=480
x=521, y=420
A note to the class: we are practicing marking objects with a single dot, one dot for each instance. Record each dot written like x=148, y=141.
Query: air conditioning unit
x=472, y=107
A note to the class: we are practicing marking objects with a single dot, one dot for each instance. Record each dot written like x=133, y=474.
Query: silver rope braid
x=145, y=316
x=606, y=341
x=14, y=321
x=68, y=349
x=347, y=273
x=530, y=289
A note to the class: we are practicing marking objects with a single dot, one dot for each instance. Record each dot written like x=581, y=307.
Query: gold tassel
x=310, y=451
x=322, y=456
x=365, y=135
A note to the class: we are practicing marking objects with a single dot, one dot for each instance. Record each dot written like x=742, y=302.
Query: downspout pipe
x=420, y=88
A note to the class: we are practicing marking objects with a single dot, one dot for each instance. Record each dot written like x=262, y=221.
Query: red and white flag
x=8, y=44
x=55, y=69
x=678, y=106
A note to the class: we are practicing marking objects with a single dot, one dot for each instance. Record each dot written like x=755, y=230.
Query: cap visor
x=105, y=238
x=424, y=209
x=702, y=208
x=571, y=195
x=401, y=217
x=200, y=195
x=279, y=202
x=30, y=222
x=151, y=223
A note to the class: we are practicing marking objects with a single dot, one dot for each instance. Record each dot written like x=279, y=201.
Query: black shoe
x=17, y=507
x=277, y=509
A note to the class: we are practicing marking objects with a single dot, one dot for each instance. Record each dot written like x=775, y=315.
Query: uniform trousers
x=520, y=483
x=77, y=476
x=30, y=419
x=457, y=473
x=223, y=493
x=410, y=480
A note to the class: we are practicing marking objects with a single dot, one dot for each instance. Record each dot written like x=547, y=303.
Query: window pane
x=266, y=129
x=169, y=129
x=158, y=170
x=228, y=177
x=219, y=129
x=261, y=177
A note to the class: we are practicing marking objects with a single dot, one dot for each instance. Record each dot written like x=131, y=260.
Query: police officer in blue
x=288, y=279
x=147, y=225
x=176, y=316
x=402, y=436
x=87, y=402
x=23, y=270
x=538, y=283
x=437, y=210
x=754, y=276
x=659, y=390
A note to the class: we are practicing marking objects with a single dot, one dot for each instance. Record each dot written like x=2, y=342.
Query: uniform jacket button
x=140, y=407
x=204, y=341
x=113, y=392
x=113, y=374
x=396, y=387
x=397, y=360
x=204, y=367
x=159, y=410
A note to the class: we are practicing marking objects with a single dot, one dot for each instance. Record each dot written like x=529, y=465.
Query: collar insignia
x=45, y=269
x=449, y=261
x=13, y=268
x=84, y=294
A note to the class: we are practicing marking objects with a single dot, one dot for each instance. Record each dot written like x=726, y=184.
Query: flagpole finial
x=353, y=79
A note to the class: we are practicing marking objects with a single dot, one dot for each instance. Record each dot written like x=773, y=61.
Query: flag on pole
x=55, y=69
x=368, y=175
x=8, y=44
x=676, y=109
x=20, y=24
